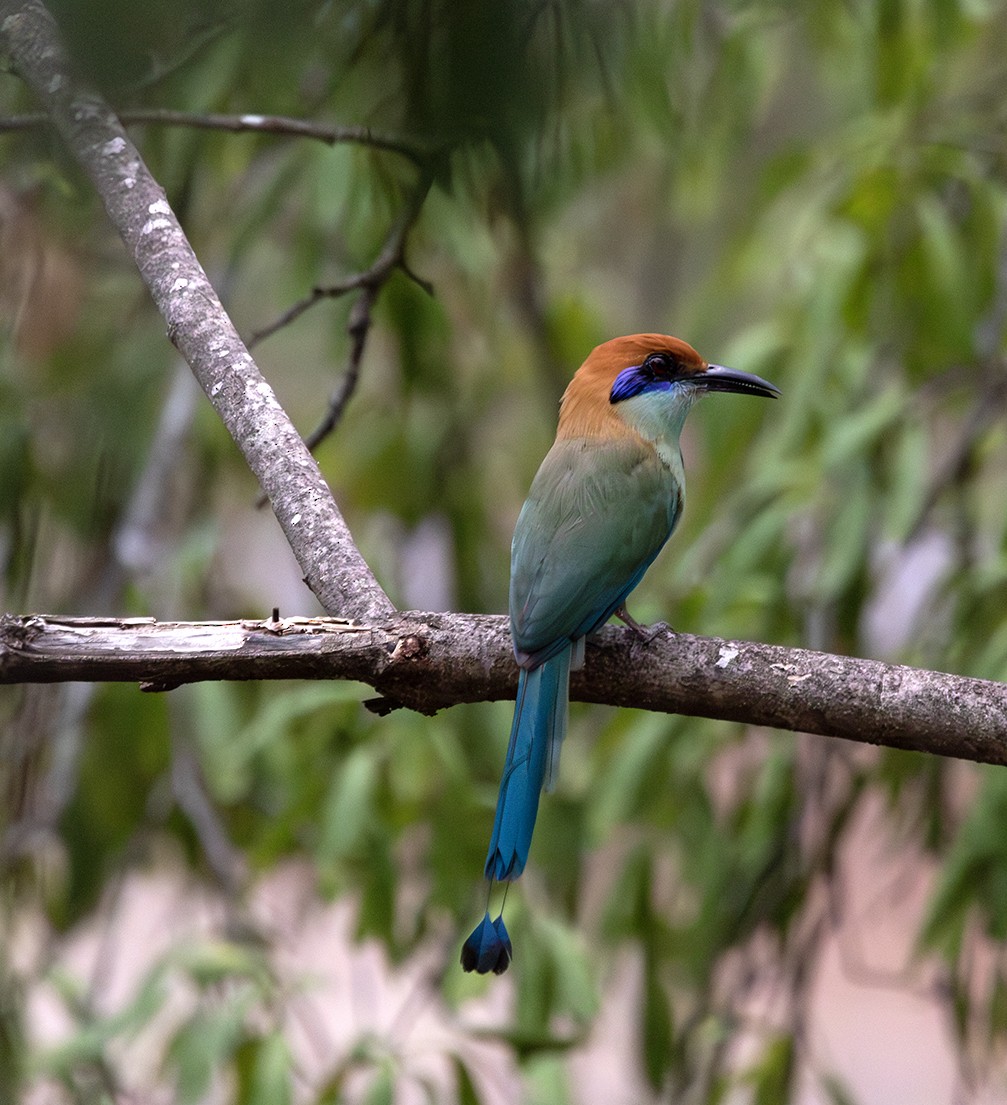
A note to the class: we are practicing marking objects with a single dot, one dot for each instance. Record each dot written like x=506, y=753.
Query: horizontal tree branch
x=430, y=661
x=197, y=323
x=247, y=122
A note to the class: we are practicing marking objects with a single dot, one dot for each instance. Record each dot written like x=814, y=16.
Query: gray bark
x=430, y=661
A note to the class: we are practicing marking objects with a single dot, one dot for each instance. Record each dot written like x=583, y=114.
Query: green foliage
x=771, y=1079
x=974, y=877
x=816, y=193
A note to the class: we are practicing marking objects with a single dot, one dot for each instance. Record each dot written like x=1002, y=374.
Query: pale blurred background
x=257, y=893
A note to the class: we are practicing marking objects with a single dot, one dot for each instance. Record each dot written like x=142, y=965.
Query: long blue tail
x=536, y=734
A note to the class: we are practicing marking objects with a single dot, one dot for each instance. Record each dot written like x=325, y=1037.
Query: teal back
x=595, y=518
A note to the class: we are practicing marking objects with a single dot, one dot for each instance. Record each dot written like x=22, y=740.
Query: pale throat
x=658, y=417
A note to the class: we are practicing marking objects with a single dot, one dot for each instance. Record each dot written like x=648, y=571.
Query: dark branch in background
x=132, y=550
x=429, y=661
x=391, y=257
x=369, y=283
x=197, y=323
x=188, y=786
x=283, y=126
x=987, y=410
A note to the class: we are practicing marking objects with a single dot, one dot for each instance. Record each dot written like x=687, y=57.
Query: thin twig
x=391, y=257
x=369, y=282
x=282, y=125
x=189, y=788
x=358, y=328
x=986, y=411
x=989, y=405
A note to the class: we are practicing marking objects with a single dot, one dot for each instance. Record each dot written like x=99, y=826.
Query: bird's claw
x=658, y=629
x=644, y=632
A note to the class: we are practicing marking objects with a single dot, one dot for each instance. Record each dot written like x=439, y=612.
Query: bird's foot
x=646, y=633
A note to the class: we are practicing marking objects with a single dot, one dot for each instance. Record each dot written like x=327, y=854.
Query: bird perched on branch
x=605, y=500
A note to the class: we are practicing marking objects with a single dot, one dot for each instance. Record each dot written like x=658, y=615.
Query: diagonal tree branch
x=197, y=323
x=431, y=661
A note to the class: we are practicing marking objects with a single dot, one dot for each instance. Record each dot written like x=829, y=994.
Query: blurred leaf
x=772, y=1075
x=210, y=962
x=836, y=1091
x=974, y=876
x=657, y=1028
x=92, y=1034
x=467, y=1092
x=110, y=800
x=575, y=993
x=632, y=763
x=382, y=1088
x=845, y=554
x=349, y=811
x=850, y=437
x=229, y=762
x=908, y=481
x=205, y=1043
x=265, y=1072
x=547, y=1082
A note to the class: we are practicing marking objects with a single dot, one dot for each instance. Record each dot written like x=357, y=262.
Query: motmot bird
x=605, y=500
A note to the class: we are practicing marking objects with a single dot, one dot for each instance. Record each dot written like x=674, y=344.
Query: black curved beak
x=718, y=378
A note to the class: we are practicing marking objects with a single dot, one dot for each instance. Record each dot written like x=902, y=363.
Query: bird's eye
x=660, y=365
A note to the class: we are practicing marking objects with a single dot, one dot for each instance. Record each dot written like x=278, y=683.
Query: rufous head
x=624, y=368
